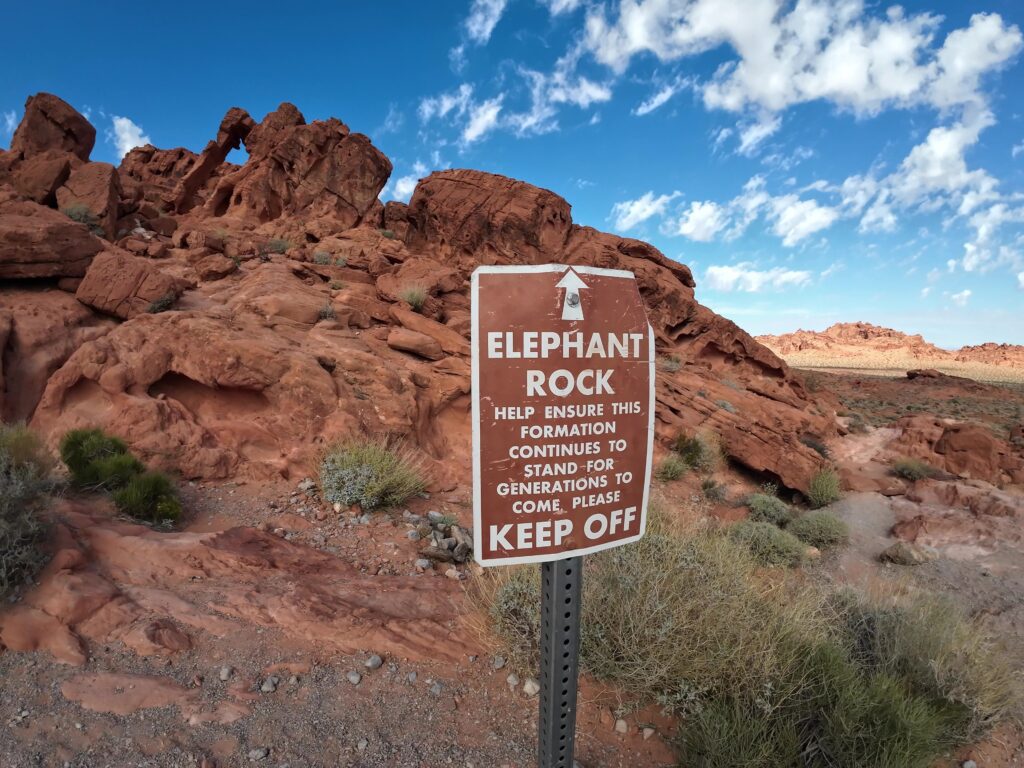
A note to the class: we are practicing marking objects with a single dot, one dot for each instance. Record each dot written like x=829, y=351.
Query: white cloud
x=661, y=96
x=10, y=121
x=960, y=299
x=925, y=291
x=483, y=17
x=406, y=185
x=547, y=91
x=392, y=121
x=1016, y=149
x=483, y=118
x=440, y=106
x=833, y=51
x=745, y=277
x=126, y=135
x=794, y=218
x=630, y=213
x=1020, y=280
x=701, y=221
x=753, y=134
x=557, y=7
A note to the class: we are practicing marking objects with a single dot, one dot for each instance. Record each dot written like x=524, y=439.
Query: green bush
x=388, y=234
x=415, y=296
x=700, y=451
x=322, y=258
x=24, y=482
x=278, y=245
x=725, y=405
x=370, y=474
x=671, y=468
x=820, y=529
x=80, y=212
x=913, y=469
x=82, y=449
x=824, y=489
x=765, y=508
x=769, y=545
x=115, y=471
x=162, y=304
x=149, y=496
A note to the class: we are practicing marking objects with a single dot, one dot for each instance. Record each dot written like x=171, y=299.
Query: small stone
x=259, y=753
x=374, y=662
x=498, y=662
x=362, y=744
x=293, y=680
x=968, y=764
x=434, y=516
x=336, y=507
x=78, y=726
x=435, y=689
x=531, y=687
x=413, y=535
x=453, y=573
x=512, y=679
x=621, y=726
x=410, y=678
x=307, y=485
x=270, y=684
x=353, y=677
x=422, y=563
x=906, y=553
x=648, y=732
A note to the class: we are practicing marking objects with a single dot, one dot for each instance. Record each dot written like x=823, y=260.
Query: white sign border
x=475, y=383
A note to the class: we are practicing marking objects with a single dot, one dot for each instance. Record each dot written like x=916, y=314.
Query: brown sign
x=563, y=412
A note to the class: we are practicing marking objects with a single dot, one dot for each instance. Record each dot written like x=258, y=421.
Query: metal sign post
x=563, y=430
x=561, y=583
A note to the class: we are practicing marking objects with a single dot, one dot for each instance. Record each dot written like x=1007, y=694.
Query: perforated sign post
x=563, y=427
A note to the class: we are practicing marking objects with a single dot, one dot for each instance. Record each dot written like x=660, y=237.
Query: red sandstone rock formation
x=299, y=331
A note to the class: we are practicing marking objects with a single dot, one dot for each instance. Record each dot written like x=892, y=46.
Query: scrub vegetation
x=25, y=481
x=371, y=473
x=775, y=670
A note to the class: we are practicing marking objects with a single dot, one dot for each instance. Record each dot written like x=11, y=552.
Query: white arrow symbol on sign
x=572, y=307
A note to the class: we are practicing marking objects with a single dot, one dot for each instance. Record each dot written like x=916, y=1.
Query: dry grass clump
x=701, y=451
x=820, y=529
x=766, y=669
x=769, y=544
x=415, y=296
x=371, y=473
x=824, y=489
x=672, y=467
x=25, y=469
x=913, y=469
x=766, y=508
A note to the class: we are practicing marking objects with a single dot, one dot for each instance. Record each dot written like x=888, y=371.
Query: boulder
x=40, y=176
x=124, y=286
x=36, y=241
x=214, y=267
x=908, y=553
x=50, y=123
x=426, y=274
x=417, y=343
x=96, y=189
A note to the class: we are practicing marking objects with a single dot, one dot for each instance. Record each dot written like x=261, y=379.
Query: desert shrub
x=931, y=644
x=149, y=496
x=857, y=425
x=671, y=468
x=80, y=212
x=700, y=451
x=370, y=473
x=82, y=451
x=713, y=490
x=162, y=304
x=669, y=363
x=766, y=508
x=510, y=600
x=278, y=245
x=816, y=445
x=415, y=296
x=768, y=544
x=725, y=405
x=336, y=285
x=24, y=481
x=321, y=257
x=115, y=471
x=824, y=489
x=820, y=529
x=327, y=312
x=388, y=233
x=341, y=261
x=913, y=469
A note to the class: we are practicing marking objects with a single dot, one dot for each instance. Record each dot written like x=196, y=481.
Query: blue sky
x=812, y=162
